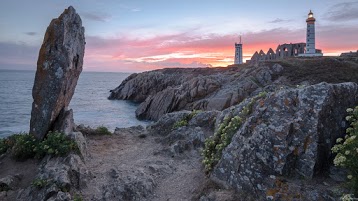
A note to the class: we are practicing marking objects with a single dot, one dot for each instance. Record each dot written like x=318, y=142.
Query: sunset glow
x=134, y=37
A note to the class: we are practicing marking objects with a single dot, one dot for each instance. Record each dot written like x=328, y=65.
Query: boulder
x=61, y=175
x=199, y=126
x=58, y=68
x=288, y=134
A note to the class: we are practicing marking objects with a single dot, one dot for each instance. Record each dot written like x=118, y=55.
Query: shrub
x=3, y=146
x=186, y=119
x=39, y=183
x=180, y=123
x=102, y=130
x=24, y=146
x=222, y=137
x=56, y=144
x=77, y=197
x=347, y=150
x=21, y=142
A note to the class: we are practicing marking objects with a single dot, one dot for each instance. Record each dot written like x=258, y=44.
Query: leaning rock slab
x=58, y=68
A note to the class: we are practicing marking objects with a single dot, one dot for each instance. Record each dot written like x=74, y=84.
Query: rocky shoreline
x=280, y=151
x=168, y=90
x=260, y=132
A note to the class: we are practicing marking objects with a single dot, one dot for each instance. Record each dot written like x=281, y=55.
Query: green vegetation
x=181, y=123
x=222, y=137
x=77, y=197
x=186, y=119
x=4, y=145
x=102, y=130
x=39, y=183
x=347, y=150
x=56, y=144
x=24, y=146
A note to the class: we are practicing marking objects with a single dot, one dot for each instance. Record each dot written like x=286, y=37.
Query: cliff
x=263, y=132
x=167, y=90
x=261, y=129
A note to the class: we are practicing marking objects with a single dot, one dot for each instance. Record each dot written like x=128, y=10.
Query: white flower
x=353, y=137
x=347, y=197
x=339, y=140
x=347, y=152
x=339, y=160
x=349, y=176
x=349, y=110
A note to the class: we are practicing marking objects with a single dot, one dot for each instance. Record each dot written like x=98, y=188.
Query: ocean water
x=89, y=103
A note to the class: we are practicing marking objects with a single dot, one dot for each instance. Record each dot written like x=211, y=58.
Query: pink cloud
x=185, y=49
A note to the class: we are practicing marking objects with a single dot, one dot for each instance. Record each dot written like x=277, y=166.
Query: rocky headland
x=246, y=132
x=168, y=90
x=288, y=115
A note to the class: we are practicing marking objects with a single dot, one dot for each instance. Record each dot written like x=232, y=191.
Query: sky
x=141, y=35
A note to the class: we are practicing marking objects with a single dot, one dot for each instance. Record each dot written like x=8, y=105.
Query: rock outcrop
x=58, y=68
x=289, y=134
x=167, y=90
x=189, y=136
x=61, y=178
x=200, y=89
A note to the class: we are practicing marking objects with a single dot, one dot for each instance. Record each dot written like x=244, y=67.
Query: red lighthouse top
x=310, y=19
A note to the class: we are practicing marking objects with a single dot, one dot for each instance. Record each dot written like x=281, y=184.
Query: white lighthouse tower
x=311, y=50
x=310, y=37
x=238, y=52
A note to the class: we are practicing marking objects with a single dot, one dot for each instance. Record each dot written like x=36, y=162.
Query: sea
x=89, y=103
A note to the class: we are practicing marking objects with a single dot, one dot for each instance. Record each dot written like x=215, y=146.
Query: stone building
x=282, y=51
x=307, y=49
x=238, y=53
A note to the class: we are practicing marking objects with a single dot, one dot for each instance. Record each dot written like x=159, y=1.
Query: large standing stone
x=58, y=68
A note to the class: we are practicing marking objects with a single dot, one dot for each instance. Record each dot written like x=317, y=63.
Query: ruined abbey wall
x=282, y=51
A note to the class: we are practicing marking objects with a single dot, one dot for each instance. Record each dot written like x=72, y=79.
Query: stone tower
x=311, y=50
x=238, y=52
x=310, y=36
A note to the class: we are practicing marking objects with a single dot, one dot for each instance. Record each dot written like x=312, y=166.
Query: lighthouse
x=310, y=36
x=238, y=52
x=311, y=50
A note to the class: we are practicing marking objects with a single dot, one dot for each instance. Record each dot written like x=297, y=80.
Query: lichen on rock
x=58, y=68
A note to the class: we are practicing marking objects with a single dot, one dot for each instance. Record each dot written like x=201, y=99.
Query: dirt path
x=17, y=174
x=126, y=166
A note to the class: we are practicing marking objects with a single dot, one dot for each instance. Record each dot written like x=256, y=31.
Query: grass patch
x=102, y=130
x=316, y=70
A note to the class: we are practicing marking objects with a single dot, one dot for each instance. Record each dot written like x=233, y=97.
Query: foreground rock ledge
x=58, y=68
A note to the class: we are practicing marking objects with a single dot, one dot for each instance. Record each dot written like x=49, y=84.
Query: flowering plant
x=347, y=149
